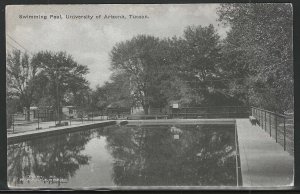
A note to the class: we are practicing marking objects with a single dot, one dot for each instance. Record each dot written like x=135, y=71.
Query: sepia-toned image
x=150, y=96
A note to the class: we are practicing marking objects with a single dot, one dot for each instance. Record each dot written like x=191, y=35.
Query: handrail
x=152, y=115
x=277, y=114
x=265, y=119
x=213, y=107
x=205, y=113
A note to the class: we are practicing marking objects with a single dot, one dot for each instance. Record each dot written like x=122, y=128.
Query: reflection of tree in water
x=51, y=158
x=149, y=155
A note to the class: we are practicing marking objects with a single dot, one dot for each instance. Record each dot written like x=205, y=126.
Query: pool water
x=147, y=155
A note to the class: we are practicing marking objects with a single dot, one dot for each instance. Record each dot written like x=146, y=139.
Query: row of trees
x=45, y=79
x=253, y=65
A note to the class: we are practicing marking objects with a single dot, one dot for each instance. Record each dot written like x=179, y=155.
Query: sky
x=90, y=41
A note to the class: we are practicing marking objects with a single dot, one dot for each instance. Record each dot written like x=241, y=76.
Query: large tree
x=201, y=67
x=141, y=59
x=21, y=78
x=114, y=93
x=61, y=75
x=171, y=83
x=259, y=47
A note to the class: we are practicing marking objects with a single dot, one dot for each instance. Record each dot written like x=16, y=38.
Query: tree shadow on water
x=51, y=160
x=155, y=156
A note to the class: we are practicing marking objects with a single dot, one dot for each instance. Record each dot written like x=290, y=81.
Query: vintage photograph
x=150, y=96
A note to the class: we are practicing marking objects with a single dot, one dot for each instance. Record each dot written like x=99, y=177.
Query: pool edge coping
x=13, y=138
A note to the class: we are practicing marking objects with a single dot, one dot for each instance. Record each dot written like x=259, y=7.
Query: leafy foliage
x=115, y=94
x=61, y=78
x=142, y=61
x=253, y=65
x=259, y=47
x=21, y=78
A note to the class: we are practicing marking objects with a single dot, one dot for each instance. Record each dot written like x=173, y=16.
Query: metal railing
x=145, y=117
x=211, y=112
x=18, y=122
x=41, y=119
x=278, y=126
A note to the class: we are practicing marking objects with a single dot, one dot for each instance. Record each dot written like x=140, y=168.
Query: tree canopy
x=46, y=79
x=259, y=47
x=252, y=65
x=141, y=60
x=62, y=78
x=21, y=77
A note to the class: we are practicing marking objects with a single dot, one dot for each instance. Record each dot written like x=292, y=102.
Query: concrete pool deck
x=11, y=138
x=181, y=121
x=264, y=163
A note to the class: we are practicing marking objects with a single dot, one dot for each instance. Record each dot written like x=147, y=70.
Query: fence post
x=38, y=114
x=284, y=134
x=55, y=118
x=255, y=110
x=13, y=122
x=276, y=127
x=257, y=114
x=265, y=121
x=270, y=124
x=261, y=117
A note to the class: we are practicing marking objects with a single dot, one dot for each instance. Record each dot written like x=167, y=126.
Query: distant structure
x=47, y=113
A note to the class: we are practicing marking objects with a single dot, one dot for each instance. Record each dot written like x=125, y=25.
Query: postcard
x=150, y=96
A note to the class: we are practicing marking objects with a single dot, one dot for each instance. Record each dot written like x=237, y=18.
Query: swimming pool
x=129, y=155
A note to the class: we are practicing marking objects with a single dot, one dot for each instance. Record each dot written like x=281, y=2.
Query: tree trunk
x=146, y=109
x=27, y=116
x=59, y=114
x=58, y=107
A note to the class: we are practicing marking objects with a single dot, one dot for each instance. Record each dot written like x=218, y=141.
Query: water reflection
x=184, y=155
x=150, y=155
x=50, y=160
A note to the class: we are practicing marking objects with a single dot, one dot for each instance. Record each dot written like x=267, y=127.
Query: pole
x=261, y=115
x=13, y=122
x=276, y=127
x=270, y=124
x=38, y=114
x=284, y=134
x=57, y=96
x=265, y=121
